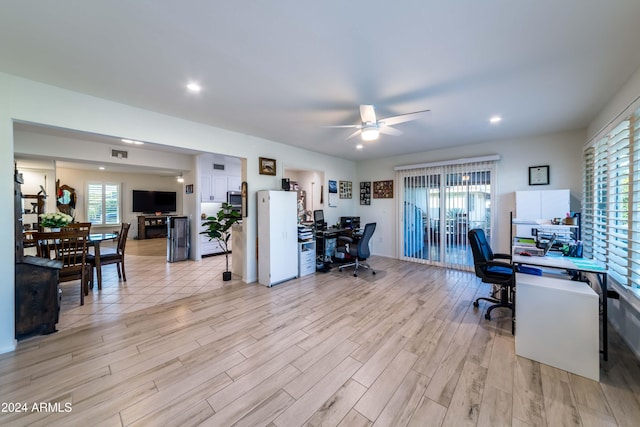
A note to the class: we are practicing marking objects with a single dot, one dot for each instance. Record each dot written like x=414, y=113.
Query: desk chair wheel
x=487, y=316
x=476, y=304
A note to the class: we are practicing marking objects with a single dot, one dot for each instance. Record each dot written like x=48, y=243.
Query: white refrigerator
x=277, y=237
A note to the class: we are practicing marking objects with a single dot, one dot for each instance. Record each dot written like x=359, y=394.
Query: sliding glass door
x=438, y=205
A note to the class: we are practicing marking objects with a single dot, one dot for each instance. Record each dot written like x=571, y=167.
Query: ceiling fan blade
x=389, y=130
x=368, y=113
x=343, y=126
x=358, y=132
x=390, y=121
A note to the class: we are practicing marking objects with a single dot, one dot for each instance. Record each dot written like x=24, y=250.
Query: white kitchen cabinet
x=234, y=183
x=277, y=236
x=213, y=188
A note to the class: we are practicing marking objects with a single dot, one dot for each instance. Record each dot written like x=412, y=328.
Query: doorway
x=439, y=205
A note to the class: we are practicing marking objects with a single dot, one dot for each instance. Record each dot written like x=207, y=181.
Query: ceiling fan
x=371, y=127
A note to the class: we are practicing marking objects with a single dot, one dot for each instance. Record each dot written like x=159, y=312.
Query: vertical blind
x=611, y=217
x=438, y=204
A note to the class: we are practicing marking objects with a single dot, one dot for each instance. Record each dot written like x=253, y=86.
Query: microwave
x=234, y=198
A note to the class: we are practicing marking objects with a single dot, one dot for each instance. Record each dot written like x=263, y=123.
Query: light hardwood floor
x=175, y=346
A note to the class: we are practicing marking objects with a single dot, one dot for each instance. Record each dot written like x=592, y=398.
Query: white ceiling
x=283, y=69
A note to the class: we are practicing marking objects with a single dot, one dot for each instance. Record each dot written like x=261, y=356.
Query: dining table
x=95, y=239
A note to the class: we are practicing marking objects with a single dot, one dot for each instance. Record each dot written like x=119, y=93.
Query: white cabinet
x=542, y=205
x=557, y=324
x=209, y=247
x=213, y=188
x=306, y=258
x=277, y=237
x=234, y=183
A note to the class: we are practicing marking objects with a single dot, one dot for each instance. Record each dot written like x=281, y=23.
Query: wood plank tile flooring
x=175, y=346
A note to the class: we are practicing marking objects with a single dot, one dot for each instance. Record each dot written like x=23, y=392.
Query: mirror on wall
x=65, y=198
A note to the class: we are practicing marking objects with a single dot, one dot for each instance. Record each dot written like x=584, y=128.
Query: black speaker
x=286, y=185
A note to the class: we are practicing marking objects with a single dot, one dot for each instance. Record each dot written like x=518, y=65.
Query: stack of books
x=304, y=233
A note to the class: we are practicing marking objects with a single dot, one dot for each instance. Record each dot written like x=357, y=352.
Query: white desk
x=557, y=324
x=582, y=265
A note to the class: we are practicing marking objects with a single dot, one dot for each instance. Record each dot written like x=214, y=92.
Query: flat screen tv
x=154, y=201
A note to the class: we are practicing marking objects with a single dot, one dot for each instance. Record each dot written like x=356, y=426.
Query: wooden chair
x=74, y=226
x=116, y=257
x=69, y=247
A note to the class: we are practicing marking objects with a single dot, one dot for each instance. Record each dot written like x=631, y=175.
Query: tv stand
x=152, y=226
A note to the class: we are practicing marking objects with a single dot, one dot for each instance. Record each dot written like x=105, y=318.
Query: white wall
x=34, y=102
x=79, y=180
x=58, y=148
x=561, y=151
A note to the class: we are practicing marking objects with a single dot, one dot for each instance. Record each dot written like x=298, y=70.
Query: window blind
x=103, y=203
x=611, y=204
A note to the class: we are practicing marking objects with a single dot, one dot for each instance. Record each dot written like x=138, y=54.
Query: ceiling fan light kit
x=370, y=134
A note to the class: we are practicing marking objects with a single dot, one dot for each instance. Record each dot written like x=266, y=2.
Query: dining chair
x=69, y=247
x=84, y=226
x=116, y=257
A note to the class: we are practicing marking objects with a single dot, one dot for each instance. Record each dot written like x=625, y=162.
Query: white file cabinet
x=557, y=324
x=306, y=258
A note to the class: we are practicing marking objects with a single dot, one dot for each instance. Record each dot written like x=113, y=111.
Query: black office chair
x=360, y=250
x=498, y=273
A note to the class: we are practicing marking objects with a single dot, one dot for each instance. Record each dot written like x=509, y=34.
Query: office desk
x=557, y=322
x=581, y=265
x=324, y=236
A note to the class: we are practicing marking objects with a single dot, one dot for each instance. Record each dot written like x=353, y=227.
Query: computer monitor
x=318, y=219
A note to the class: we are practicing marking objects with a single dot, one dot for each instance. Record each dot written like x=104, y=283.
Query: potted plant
x=219, y=228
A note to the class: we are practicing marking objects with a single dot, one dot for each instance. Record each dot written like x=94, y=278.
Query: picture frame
x=188, y=189
x=539, y=175
x=383, y=189
x=267, y=166
x=365, y=193
x=346, y=189
x=244, y=192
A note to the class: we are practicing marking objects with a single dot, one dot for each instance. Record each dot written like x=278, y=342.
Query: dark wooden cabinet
x=37, y=296
x=37, y=299
x=152, y=227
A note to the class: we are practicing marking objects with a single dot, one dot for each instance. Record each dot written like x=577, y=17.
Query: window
x=611, y=205
x=103, y=203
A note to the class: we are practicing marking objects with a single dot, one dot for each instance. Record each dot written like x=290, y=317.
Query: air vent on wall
x=119, y=154
x=218, y=167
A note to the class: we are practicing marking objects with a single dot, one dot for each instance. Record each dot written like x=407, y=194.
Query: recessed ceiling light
x=359, y=146
x=194, y=87
x=101, y=168
x=495, y=119
x=131, y=141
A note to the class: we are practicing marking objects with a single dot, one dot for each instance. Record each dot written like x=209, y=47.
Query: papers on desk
x=304, y=233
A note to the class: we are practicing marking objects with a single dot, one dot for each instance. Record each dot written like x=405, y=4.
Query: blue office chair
x=359, y=251
x=489, y=270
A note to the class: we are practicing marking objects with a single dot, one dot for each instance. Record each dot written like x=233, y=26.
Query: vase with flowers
x=55, y=220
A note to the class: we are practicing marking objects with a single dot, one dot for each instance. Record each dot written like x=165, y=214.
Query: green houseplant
x=219, y=228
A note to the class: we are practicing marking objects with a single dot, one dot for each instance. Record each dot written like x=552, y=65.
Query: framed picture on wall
x=539, y=175
x=383, y=189
x=188, y=188
x=267, y=166
x=365, y=193
x=345, y=190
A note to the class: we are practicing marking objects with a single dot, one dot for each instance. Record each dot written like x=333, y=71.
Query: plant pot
x=226, y=276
